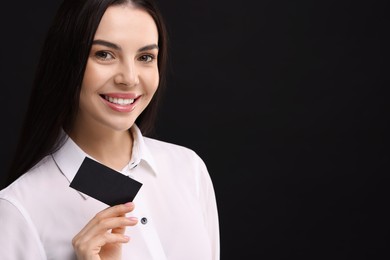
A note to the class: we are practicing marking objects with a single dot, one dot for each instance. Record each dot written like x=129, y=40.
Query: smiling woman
x=95, y=96
x=120, y=80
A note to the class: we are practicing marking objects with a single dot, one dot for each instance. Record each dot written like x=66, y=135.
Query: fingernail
x=129, y=204
x=133, y=218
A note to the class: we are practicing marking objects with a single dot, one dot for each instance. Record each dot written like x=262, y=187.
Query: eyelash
x=99, y=55
x=104, y=56
x=147, y=56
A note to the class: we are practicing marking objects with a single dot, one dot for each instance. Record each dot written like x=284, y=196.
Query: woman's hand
x=102, y=237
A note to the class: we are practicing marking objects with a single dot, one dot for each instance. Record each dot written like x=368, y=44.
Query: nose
x=127, y=75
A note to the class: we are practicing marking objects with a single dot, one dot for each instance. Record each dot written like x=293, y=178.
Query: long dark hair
x=54, y=99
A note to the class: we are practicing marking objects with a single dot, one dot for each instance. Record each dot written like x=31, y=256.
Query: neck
x=112, y=148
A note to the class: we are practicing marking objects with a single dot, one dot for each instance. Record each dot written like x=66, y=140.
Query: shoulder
x=32, y=183
x=17, y=203
x=177, y=160
x=160, y=144
x=166, y=149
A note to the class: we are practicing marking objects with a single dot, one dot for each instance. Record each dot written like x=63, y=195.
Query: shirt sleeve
x=18, y=237
x=210, y=211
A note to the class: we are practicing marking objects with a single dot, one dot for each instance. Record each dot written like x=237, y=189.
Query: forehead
x=127, y=23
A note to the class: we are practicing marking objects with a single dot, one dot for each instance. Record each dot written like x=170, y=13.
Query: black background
x=286, y=102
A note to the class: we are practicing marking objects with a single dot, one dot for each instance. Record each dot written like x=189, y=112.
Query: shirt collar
x=70, y=156
x=141, y=152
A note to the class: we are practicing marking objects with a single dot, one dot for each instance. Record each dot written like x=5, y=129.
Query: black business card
x=104, y=184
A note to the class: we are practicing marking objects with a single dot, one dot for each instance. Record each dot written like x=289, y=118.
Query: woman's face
x=121, y=76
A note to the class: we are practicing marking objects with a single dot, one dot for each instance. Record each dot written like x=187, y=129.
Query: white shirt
x=40, y=213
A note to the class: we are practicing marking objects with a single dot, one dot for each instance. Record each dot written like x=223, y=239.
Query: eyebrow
x=117, y=47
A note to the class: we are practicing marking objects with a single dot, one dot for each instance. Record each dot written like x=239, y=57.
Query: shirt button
x=144, y=220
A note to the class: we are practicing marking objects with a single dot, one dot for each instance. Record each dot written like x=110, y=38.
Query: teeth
x=119, y=101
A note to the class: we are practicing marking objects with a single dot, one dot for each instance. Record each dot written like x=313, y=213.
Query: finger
x=113, y=223
x=118, y=210
x=118, y=224
x=115, y=211
x=121, y=229
x=108, y=238
x=97, y=242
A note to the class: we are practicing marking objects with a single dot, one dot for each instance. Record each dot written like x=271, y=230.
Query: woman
x=95, y=94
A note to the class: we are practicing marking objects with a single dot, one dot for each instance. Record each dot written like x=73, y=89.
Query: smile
x=119, y=101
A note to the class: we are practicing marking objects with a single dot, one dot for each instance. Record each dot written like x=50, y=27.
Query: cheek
x=93, y=78
x=153, y=82
x=88, y=79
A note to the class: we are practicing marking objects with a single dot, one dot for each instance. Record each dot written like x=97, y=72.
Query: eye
x=104, y=55
x=146, y=58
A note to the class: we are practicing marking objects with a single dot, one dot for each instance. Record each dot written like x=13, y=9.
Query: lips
x=120, y=102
